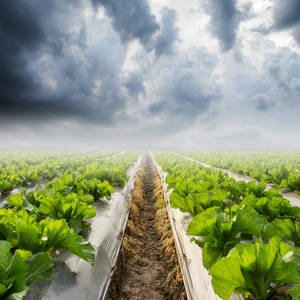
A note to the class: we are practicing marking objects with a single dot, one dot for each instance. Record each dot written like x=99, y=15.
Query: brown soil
x=145, y=268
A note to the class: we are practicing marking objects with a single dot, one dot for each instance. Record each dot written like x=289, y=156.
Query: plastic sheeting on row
x=196, y=279
x=32, y=186
x=286, y=193
x=74, y=278
x=40, y=185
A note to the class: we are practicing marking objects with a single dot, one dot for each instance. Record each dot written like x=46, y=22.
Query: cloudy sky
x=197, y=74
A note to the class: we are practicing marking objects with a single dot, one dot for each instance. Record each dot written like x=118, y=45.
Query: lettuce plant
x=96, y=188
x=49, y=235
x=277, y=174
x=293, y=181
x=5, y=186
x=74, y=211
x=277, y=207
x=286, y=229
x=258, y=270
x=65, y=184
x=72, y=207
x=18, y=270
x=240, y=189
x=221, y=231
x=112, y=175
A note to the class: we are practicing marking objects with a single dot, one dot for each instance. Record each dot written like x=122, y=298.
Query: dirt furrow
x=147, y=267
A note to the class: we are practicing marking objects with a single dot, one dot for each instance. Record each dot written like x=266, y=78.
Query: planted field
x=158, y=226
x=37, y=225
x=149, y=74
x=18, y=169
x=248, y=234
x=277, y=167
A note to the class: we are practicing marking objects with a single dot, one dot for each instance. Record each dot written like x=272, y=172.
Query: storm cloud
x=186, y=89
x=261, y=102
x=148, y=73
x=133, y=82
x=168, y=36
x=49, y=71
x=21, y=32
x=224, y=21
x=286, y=15
x=132, y=19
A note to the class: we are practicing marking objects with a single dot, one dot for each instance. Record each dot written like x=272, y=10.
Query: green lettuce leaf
x=40, y=266
x=286, y=229
x=251, y=269
x=295, y=292
x=227, y=276
x=45, y=236
x=19, y=270
x=68, y=208
x=224, y=230
x=56, y=235
x=96, y=188
x=185, y=204
x=277, y=207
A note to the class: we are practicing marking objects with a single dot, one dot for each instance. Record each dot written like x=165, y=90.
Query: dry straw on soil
x=133, y=226
x=128, y=246
x=133, y=245
x=174, y=281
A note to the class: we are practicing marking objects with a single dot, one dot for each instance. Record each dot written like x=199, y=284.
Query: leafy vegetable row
x=234, y=221
x=41, y=222
x=278, y=167
x=17, y=169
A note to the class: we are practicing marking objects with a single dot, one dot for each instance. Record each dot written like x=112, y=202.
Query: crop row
x=18, y=169
x=240, y=227
x=277, y=167
x=34, y=225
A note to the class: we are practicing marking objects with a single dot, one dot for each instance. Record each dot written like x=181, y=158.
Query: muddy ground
x=147, y=267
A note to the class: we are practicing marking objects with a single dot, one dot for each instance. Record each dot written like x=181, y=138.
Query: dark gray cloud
x=49, y=71
x=261, y=102
x=168, y=36
x=134, y=84
x=274, y=71
x=132, y=19
x=110, y=73
x=224, y=21
x=24, y=110
x=20, y=33
x=186, y=89
x=287, y=15
x=296, y=34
